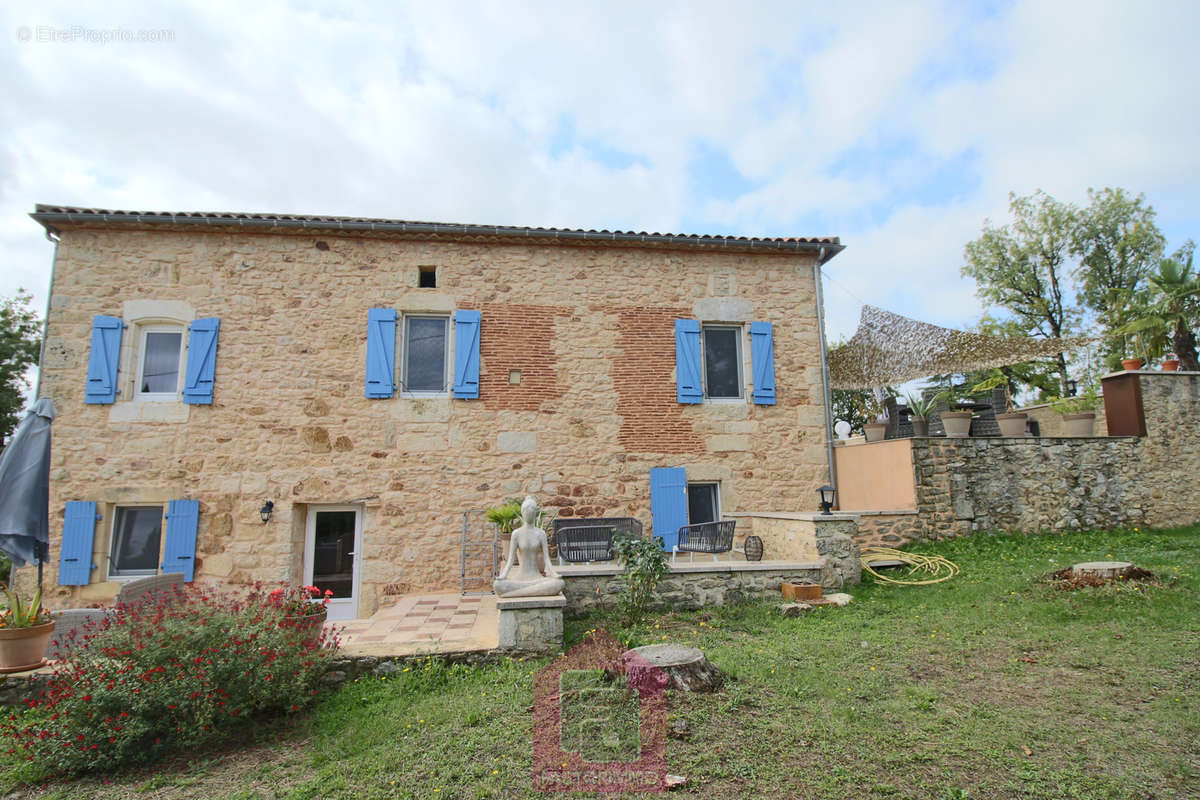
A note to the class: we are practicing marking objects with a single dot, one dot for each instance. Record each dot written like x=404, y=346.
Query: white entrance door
x=332, y=539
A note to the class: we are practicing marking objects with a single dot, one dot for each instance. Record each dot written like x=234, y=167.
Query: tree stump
x=1109, y=570
x=671, y=666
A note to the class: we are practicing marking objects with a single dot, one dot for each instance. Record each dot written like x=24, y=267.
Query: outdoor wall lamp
x=265, y=511
x=827, y=493
x=1072, y=386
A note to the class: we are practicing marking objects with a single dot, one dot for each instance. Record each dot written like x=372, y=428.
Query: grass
x=992, y=685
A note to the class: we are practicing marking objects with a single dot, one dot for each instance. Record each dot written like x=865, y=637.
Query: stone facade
x=577, y=389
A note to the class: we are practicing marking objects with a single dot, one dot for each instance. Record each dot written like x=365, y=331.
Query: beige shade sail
x=888, y=349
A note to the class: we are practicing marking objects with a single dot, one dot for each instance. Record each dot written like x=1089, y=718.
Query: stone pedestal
x=531, y=624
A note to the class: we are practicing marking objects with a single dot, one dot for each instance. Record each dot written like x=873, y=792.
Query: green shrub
x=645, y=563
x=167, y=676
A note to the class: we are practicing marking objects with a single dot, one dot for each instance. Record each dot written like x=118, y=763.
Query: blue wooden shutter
x=668, y=503
x=79, y=527
x=201, y=361
x=466, y=354
x=762, y=359
x=688, y=383
x=102, y=360
x=381, y=352
x=179, y=551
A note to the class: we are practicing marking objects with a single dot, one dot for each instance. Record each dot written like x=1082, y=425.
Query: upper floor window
x=158, y=358
x=425, y=355
x=722, y=345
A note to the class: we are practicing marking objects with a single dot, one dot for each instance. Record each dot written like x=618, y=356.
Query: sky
x=900, y=127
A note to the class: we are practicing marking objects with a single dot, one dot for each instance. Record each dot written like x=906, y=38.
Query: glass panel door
x=331, y=558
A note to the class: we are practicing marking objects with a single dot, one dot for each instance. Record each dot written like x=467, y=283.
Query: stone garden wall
x=973, y=485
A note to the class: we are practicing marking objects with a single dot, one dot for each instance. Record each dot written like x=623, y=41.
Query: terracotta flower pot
x=1012, y=424
x=875, y=431
x=1080, y=424
x=957, y=424
x=24, y=648
x=1171, y=365
x=1132, y=363
x=920, y=427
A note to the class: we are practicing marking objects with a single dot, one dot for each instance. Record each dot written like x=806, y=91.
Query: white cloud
x=899, y=127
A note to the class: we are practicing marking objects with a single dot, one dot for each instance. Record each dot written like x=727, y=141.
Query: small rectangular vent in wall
x=427, y=278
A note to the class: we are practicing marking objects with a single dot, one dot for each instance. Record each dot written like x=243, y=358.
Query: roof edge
x=50, y=217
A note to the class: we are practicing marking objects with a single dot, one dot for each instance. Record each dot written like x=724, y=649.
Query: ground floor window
x=136, y=541
x=704, y=502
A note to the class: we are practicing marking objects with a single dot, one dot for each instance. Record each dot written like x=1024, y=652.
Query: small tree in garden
x=169, y=675
x=645, y=564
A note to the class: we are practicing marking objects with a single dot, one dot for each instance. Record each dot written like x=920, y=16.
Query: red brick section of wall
x=516, y=337
x=652, y=420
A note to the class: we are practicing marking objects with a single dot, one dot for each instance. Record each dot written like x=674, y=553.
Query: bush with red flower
x=170, y=674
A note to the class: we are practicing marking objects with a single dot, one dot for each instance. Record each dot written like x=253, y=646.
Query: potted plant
x=875, y=431
x=1012, y=423
x=1170, y=363
x=1079, y=413
x=957, y=423
x=25, y=631
x=919, y=409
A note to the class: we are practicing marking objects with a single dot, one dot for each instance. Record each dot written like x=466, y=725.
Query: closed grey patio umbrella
x=25, y=489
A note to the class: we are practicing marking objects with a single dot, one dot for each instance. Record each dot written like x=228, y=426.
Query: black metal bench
x=585, y=539
x=706, y=537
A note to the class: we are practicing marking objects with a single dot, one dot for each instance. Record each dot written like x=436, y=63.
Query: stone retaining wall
x=690, y=586
x=1059, y=483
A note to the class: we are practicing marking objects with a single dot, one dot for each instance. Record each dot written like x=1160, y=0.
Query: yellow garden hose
x=937, y=568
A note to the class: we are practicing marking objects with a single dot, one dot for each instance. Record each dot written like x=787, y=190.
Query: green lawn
x=990, y=686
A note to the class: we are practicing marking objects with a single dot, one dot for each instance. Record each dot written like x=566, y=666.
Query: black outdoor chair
x=585, y=543
x=706, y=537
x=586, y=539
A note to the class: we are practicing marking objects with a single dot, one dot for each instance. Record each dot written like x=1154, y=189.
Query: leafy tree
x=20, y=344
x=1023, y=268
x=853, y=405
x=1118, y=244
x=1173, y=307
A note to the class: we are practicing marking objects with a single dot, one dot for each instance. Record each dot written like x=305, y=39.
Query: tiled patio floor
x=419, y=624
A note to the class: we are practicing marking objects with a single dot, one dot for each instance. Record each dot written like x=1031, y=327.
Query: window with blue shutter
x=179, y=550
x=381, y=353
x=762, y=358
x=102, y=360
x=689, y=385
x=466, y=354
x=668, y=504
x=201, y=361
x=79, y=527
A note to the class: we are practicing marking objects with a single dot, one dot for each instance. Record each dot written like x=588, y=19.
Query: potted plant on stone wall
x=875, y=431
x=919, y=409
x=25, y=630
x=1012, y=423
x=1170, y=362
x=957, y=423
x=1078, y=413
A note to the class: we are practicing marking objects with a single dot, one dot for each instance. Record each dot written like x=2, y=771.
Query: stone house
x=369, y=381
